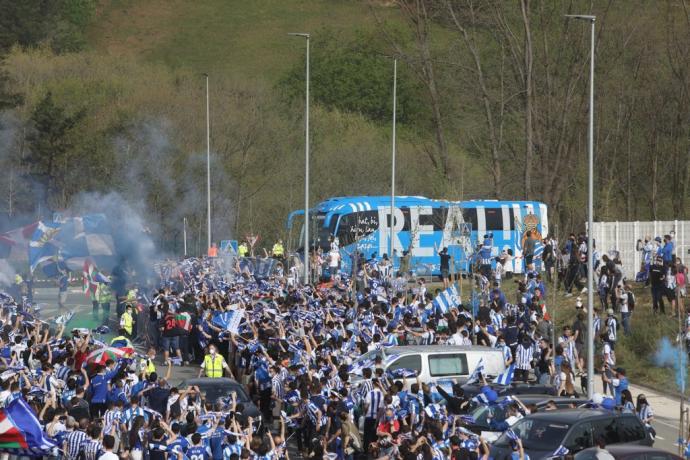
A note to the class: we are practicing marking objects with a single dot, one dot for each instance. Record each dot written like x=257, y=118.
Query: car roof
x=572, y=415
x=538, y=398
x=410, y=349
x=214, y=381
x=623, y=449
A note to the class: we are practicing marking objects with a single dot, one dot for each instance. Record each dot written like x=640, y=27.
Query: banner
x=258, y=267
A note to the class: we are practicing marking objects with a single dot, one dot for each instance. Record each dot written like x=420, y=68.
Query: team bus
x=421, y=228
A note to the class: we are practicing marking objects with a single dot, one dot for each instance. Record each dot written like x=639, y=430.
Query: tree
x=49, y=147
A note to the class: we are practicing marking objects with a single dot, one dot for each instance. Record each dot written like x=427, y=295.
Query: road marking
x=666, y=423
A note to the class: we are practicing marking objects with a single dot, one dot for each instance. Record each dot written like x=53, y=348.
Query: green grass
x=634, y=352
x=240, y=38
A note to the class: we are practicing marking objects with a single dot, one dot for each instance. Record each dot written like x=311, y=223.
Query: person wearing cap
x=444, y=265
x=619, y=382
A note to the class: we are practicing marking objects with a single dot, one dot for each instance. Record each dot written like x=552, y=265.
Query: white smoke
x=7, y=274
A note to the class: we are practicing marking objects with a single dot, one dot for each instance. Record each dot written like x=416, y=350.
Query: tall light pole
x=395, y=101
x=306, y=165
x=208, y=168
x=184, y=234
x=590, y=212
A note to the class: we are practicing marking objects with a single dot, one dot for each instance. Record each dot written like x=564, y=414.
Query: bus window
x=357, y=225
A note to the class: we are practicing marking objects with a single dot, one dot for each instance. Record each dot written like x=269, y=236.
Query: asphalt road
x=666, y=407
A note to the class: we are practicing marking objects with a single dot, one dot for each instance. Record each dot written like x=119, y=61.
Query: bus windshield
x=319, y=233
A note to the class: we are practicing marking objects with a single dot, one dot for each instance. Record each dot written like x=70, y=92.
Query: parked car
x=438, y=362
x=575, y=429
x=478, y=419
x=214, y=389
x=627, y=452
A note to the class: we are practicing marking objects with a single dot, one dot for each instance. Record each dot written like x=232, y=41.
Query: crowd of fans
x=297, y=350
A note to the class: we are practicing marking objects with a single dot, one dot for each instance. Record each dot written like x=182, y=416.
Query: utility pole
x=307, y=246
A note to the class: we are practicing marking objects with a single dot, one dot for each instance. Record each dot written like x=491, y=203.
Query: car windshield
x=537, y=434
x=481, y=414
x=214, y=390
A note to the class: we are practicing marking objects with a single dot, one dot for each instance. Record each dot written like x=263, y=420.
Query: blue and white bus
x=422, y=226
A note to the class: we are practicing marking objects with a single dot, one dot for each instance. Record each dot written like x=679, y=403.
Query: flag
x=356, y=367
x=21, y=433
x=14, y=245
x=446, y=300
x=433, y=411
x=402, y=373
x=85, y=237
x=90, y=287
x=229, y=320
x=479, y=369
x=506, y=377
x=43, y=245
x=561, y=452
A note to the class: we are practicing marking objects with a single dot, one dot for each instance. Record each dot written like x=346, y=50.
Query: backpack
x=631, y=301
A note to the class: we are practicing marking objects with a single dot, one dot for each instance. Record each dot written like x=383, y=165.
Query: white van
x=438, y=362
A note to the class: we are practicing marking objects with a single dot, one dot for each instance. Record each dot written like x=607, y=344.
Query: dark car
x=474, y=389
x=575, y=429
x=478, y=420
x=215, y=388
x=627, y=452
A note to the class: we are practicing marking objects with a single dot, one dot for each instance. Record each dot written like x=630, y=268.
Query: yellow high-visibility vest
x=126, y=322
x=213, y=366
x=278, y=249
x=242, y=250
x=148, y=366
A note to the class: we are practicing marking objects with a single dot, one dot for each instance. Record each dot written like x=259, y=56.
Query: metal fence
x=623, y=236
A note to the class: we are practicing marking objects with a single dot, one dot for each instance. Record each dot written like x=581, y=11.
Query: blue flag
x=479, y=369
x=506, y=377
x=21, y=433
x=446, y=300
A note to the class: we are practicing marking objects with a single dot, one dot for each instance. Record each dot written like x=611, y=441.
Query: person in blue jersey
x=100, y=387
x=176, y=441
x=157, y=446
x=198, y=450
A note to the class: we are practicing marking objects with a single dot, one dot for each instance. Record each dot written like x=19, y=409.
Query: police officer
x=243, y=249
x=213, y=364
x=278, y=250
x=105, y=296
x=127, y=321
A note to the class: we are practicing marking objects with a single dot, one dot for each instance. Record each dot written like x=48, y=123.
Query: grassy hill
x=236, y=37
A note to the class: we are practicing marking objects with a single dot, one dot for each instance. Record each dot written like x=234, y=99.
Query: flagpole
x=208, y=167
x=184, y=234
x=395, y=100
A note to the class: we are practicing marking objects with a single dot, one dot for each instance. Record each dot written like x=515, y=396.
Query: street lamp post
x=208, y=167
x=395, y=101
x=306, y=165
x=590, y=212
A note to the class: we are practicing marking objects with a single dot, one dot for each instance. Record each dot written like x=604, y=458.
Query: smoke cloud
x=668, y=355
x=7, y=274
